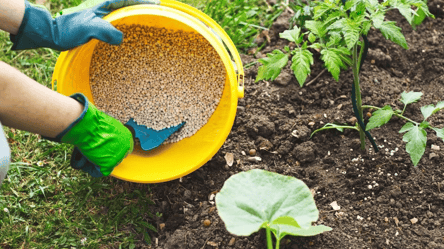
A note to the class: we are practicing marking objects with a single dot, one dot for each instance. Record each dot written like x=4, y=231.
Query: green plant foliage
x=410, y=97
x=245, y=205
x=301, y=62
x=272, y=65
x=335, y=30
x=380, y=117
x=243, y=20
x=416, y=138
x=334, y=126
x=393, y=33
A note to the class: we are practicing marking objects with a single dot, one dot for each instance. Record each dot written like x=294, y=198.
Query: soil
x=384, y=201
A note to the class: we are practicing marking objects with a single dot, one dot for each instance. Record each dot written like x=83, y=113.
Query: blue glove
x=39, y=29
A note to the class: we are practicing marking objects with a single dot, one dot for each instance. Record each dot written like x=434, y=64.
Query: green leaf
x=351, y=32
x=333, y=126
x=439, y=132
x=286, y=220
x=380, y=117
x=408, y=126
x=316, y=27
x=292, y=35
x=333, y=62
x=366, y=25
x=301, y=62
x=251, y=200
x=337, y=25
x=410, y=97
x=427, y=111
x=320, y=10
x=283, y=230
x=418, y=18
x=272, y=65
x=344, y=54
x=405, y=10
x=440, y=105
x=378, y=19
x=311, y=37
x=393, y=33
x=373, y=3
x=424, y=124
x=416, y=139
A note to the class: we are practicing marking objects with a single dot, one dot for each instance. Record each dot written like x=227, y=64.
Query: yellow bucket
x=170, y=161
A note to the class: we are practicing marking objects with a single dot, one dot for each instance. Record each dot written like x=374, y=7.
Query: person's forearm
x=30, y=106
x=11, y=15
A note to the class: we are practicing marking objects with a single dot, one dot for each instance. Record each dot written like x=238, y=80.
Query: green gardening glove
x=99, y=138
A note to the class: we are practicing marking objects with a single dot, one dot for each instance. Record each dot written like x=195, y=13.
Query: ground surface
x=403, y=208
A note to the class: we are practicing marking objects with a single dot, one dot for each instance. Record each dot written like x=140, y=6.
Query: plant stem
x=394, y=113
x=355, y=66
x=269, y=239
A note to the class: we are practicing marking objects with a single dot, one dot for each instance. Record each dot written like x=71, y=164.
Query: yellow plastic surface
x=170, y=161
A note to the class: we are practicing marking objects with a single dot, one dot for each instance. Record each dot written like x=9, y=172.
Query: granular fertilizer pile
x=158, y=77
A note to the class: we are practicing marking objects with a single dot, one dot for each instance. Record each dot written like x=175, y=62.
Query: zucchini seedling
x=256, y=199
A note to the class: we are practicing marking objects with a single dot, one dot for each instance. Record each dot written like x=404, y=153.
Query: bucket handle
x=220, y=31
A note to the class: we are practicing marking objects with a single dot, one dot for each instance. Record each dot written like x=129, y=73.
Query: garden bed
x=384, y=201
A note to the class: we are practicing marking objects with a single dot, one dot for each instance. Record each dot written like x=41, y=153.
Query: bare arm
x=28, y=105
x=11, y=15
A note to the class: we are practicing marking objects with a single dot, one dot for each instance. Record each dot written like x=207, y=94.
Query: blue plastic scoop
x=149, y=138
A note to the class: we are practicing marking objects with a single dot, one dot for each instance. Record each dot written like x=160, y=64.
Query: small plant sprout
x=335, y=31
x=256, y=199
x=416, y=134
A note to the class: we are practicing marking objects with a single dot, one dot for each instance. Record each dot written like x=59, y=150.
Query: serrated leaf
x=311, y=37
x=405, y=10
x=301, y=62
x=320, y=10
x=373, y=3
x=427, y=111
x=416, y=139
x=410, y=97
x=439, y=132
x=271, y=65
x=337, y=25
x=351, y=32
x=333, y=62
x=333, y=40
x=292, y=35
x=378, y=19
x=332, y=18
x=316, y=27
x=408, y=126
x=366, y=25
x=380, y=117
x=344, y=54
x=393, y=33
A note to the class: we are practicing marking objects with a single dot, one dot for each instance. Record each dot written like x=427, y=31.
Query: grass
x=44, y=203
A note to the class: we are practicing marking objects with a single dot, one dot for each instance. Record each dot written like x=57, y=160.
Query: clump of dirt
x=385, y=201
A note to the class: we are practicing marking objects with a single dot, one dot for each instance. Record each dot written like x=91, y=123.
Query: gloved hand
x=39, y=29
x=101, y=141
